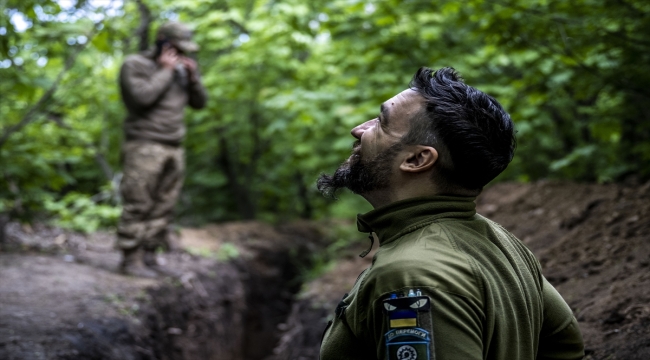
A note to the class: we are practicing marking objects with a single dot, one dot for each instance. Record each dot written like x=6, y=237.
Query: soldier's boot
x=151, y=262
x=173, y=239
x=169, y=239
x=133, y=264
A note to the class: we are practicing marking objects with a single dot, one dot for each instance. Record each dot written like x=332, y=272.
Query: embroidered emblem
x=407, y=352
x=403, y=312
x=408, y=344
x=408, y=337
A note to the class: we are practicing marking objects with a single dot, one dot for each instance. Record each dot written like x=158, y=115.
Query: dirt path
x=45, y=296
x=61, y=297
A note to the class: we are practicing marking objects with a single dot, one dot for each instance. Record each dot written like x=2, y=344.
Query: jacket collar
x=401, y=217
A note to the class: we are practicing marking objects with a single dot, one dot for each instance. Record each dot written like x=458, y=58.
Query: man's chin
x=360, y=177
x=329, y=185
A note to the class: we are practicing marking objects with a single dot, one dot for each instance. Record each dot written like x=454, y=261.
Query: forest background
x=288, y=79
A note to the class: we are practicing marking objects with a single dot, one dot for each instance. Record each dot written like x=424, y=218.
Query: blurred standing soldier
x=156, y=86
x=446, y=283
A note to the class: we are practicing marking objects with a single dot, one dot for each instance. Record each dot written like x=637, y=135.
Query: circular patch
x=407, y=352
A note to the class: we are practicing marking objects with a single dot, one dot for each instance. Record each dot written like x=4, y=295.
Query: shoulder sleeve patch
x=410, y=334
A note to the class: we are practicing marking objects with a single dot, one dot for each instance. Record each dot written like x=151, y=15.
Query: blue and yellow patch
x=406, y=338
x=403, y=318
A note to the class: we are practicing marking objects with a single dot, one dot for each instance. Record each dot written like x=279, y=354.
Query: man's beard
x=360, y=176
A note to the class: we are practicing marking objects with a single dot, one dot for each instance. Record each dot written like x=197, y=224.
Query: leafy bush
x=288, y=79
x=79, y=212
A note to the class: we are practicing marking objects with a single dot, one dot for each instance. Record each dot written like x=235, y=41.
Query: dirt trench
x=61, y=298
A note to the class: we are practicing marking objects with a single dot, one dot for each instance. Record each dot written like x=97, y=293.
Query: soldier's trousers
x=151, y=183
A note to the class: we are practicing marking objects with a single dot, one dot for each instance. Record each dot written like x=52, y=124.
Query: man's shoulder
x=432, y=244
x=138, y=60
x=426, y=258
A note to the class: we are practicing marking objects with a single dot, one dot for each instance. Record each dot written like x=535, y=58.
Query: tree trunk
x=241, y=194
x=143, y=29
x=307, y=211
x=4, y=220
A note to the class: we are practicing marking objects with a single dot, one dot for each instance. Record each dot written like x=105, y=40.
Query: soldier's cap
x=178, y=35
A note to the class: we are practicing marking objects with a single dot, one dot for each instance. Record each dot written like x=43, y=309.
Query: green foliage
x=50, y=164
x=79, y=212
x=226, y=252
x=124, y=306
x=288, y=79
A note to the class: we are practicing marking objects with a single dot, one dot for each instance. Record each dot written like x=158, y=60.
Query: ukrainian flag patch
x=409, y=336
x=403, y=318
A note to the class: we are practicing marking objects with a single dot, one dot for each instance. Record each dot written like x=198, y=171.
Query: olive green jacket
x=489, y=299
x=155, y=98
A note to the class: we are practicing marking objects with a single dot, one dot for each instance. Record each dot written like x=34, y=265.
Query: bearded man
x=156, y=87
x=446, y=283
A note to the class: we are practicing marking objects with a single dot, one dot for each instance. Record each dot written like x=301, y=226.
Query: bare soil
x=62, y=298
x=240, y=294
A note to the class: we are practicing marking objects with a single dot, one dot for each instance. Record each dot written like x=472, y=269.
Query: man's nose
x=360, y=129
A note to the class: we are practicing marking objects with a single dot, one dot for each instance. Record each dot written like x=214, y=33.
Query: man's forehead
x=406, y=102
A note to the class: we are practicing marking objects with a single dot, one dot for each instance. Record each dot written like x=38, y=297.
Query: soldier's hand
x=168, y=57
x=191, y=66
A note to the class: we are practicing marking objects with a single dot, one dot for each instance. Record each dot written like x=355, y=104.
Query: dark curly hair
x=474, y=136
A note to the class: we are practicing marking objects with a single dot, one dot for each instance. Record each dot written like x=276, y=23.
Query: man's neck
x=378, y=198
x=412, y=188
x=409, y=190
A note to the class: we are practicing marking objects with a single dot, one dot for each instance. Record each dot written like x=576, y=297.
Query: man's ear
x=419, y=158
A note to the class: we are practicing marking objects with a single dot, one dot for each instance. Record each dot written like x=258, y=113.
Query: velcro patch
x=403, y=312
x=410, y=334
x=415, y=303
x=408, y=344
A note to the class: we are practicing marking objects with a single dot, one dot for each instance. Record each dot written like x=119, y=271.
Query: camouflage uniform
x=153, y=160
x=151, y=184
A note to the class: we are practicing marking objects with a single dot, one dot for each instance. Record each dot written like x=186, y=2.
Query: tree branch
x=31, y=114
x=239, y=26
x=145, y=22
x=99, y=157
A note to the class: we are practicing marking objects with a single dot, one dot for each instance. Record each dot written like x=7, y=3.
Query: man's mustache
x=356, y=147
x=356, y=152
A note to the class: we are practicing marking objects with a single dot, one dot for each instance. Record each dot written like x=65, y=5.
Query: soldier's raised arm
x=142, y=86
x=197, y=93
